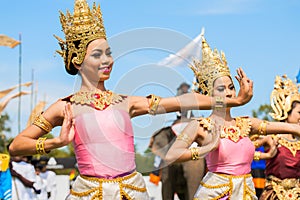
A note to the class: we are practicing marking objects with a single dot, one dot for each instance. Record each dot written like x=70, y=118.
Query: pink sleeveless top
x=104, y=144
x=231, y=158
x=234, y=154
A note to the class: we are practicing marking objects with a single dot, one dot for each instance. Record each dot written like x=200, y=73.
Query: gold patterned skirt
x=127, y=187
x=277, y=189
x=221, y=186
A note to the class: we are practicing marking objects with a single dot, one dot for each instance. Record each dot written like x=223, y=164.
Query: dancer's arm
x=181, y=149
x=262, y=127
x=25, y=143
x=192, y=101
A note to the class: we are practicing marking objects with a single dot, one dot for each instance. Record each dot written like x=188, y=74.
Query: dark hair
x=293, y=106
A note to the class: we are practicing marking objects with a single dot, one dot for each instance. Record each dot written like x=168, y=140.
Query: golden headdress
x=83, y=27
x=212, y=66
x=285, y=92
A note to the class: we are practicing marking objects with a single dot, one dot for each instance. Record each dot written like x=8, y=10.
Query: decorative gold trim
x=96, y=99
x=256, y=155
x=42, y=123
x=153, y=104
x=288, y=188
x=195, y=153
x=293, y=146
x=40, y=146
x=185, y=138
x=255, y=144
x=235, y=133
x=99, y=190
x=262, y=129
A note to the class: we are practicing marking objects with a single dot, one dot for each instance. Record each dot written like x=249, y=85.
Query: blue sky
x=260, y=36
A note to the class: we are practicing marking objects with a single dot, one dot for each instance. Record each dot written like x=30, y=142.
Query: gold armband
x=184, y=137
x=41, y=122
x=153, y=103
x=219, y=103
x=256, y=156
x=40, y=146
x=195, y=153
x=262, y=129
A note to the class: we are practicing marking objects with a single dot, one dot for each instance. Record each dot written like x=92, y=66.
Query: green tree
x=263, y=112
x=3, y=128
x=144, y=162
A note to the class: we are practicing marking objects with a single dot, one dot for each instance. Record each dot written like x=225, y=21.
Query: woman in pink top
x=97, y=120
x=283, y=170
x=223, y=139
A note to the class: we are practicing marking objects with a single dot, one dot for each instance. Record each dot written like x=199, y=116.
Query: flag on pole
x=186, y=54
x=3, y=93
x=4, y=103
x=7, y=41
x=298, y=77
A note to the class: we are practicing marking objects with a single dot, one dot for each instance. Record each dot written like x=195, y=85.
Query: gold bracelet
x=40, y=146
x=42, y=123
x=153, y=104
x=219, y=103
x=195, y=153
x=256, y=156
x=256, y=145
x=185, y=138
x=262, y=129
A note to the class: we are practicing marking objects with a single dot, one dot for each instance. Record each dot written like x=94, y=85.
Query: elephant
x=180, y=178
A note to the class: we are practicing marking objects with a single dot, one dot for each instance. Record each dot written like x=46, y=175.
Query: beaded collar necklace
x=96, y=99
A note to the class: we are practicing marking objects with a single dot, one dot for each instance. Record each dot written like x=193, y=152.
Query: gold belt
x=288, y=188
x=287, y=183
x=99, y=190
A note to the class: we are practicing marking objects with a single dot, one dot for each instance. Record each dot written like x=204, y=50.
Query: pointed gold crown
x=285, y=92
x=83, y=27
x=212, y=66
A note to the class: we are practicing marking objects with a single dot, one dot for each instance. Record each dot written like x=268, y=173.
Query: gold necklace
x=293, y=146
x=240, y=130
x=96, y=99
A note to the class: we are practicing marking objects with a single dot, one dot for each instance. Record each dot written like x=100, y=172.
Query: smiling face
x=98, y=62
x=294, y=114
x=224, y=87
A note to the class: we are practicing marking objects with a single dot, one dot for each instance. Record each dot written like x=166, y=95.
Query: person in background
x=48, y=178
x=5, y=178
x=258, y=173
x=183, y=89
x=283, y=170
x=24, y=184
x=97, y=120
x=223, y=140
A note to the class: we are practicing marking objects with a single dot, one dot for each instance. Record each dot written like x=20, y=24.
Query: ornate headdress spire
x=80, y=29
x=212, y=66
x=285, y=92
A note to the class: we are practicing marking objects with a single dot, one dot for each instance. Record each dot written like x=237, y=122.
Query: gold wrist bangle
x=256, y=156
x=40, y=146
x=195, y=153
x=185, y=138
x=256, y=145
x=42, y=123
x=219, y=104
x=153, y=103
x=262, y=129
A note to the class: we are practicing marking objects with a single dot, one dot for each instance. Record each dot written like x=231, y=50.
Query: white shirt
x=19, y=191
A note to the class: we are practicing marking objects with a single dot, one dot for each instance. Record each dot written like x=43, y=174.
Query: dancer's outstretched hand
x=246, y=87
x=67, y=129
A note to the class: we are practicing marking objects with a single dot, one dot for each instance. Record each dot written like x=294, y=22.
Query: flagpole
x=32, y=90
x=20, y=81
